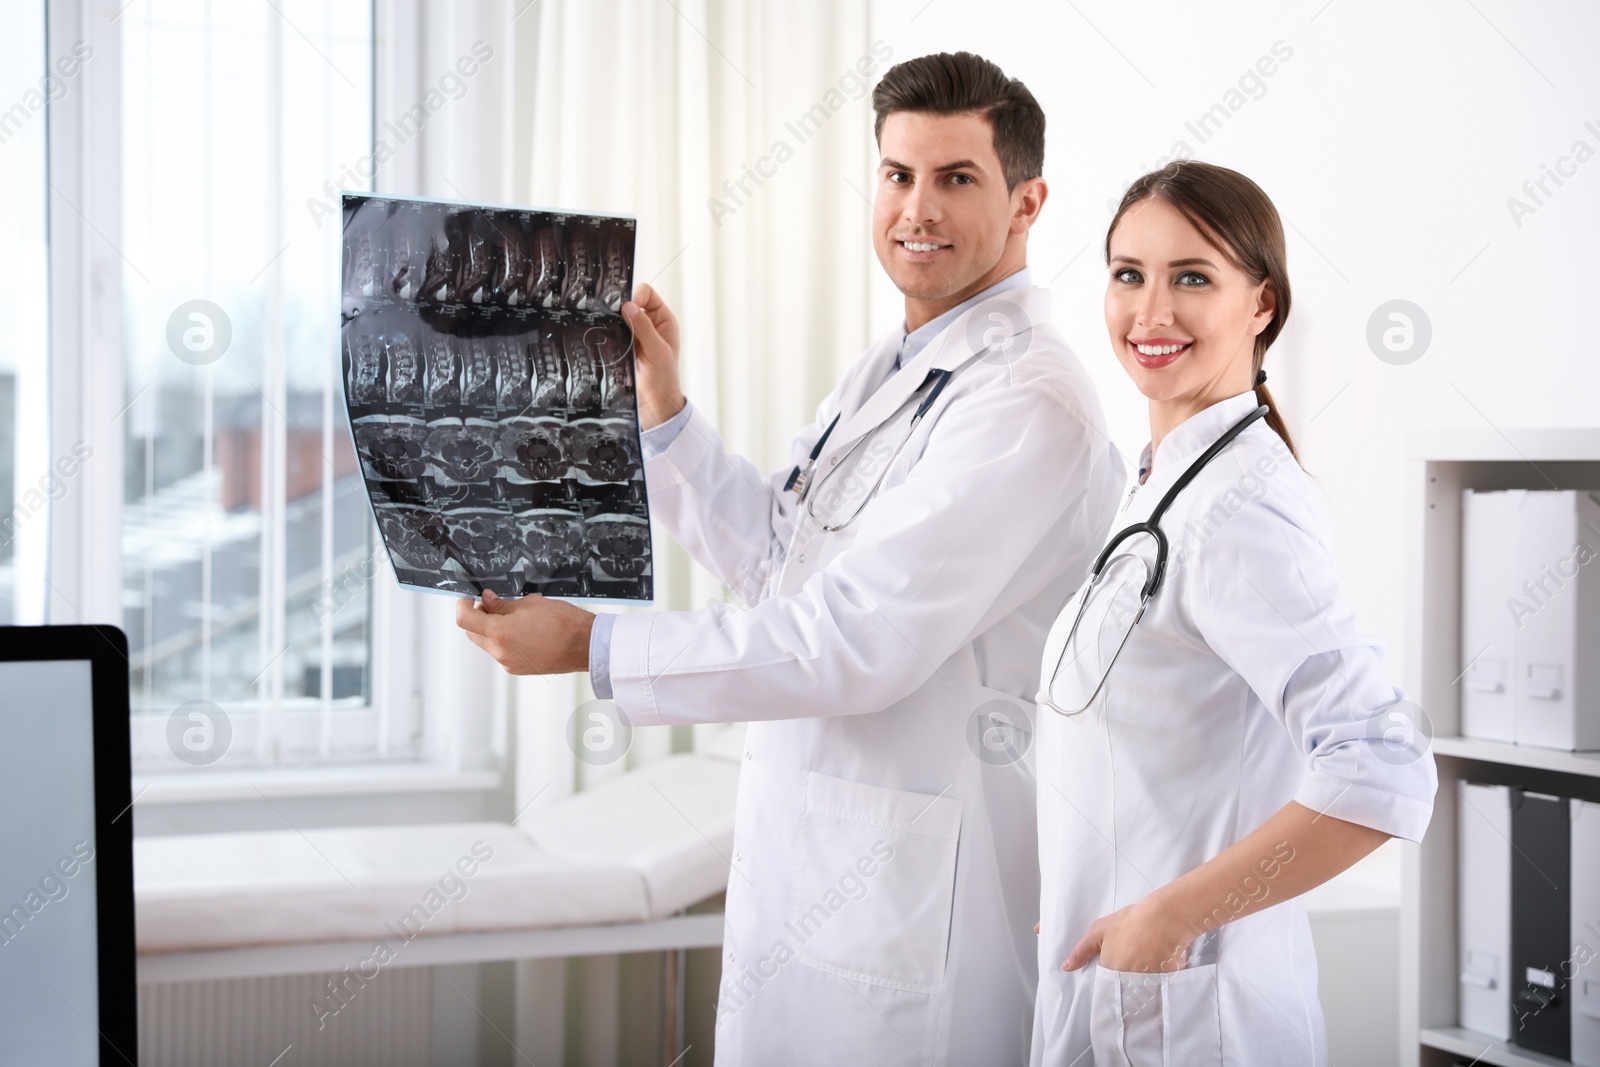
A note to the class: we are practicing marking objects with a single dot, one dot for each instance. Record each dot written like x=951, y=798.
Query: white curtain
x=752, y=222
x=740, y=135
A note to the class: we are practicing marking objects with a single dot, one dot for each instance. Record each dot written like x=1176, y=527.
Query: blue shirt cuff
x=600, y=655
x=658, y=439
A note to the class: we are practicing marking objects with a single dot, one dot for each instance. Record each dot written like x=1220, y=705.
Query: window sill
x=274, y=783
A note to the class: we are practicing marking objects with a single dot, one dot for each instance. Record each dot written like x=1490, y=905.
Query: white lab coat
x=1245, y=685
x=885, y=879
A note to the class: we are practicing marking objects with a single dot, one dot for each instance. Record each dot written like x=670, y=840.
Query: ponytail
x=1274, y=417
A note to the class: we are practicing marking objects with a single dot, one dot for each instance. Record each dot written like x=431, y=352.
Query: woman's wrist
x=1167, y=910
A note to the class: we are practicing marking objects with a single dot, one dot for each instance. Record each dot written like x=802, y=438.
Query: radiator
x=271, y=1022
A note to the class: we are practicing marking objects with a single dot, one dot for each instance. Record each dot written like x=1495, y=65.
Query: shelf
x=1443, y=464
x=1484, y=444
x=1586, y=764
x=1481, y=1048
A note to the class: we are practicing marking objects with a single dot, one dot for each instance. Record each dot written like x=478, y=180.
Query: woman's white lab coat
x=1245, y=685
x=884, y=877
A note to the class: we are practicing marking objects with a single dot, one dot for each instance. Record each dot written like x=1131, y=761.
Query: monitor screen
x=66, y=892
x=49, y=960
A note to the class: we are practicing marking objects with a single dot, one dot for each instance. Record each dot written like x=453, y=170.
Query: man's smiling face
x=942, y=218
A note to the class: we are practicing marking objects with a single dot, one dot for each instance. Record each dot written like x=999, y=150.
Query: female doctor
x=1215, y=735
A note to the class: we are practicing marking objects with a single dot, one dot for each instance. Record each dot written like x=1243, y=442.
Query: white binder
x=1558, y=622
x=1530, y=618
x=1484, y=898
x=1585, y=960
x=1488, y=637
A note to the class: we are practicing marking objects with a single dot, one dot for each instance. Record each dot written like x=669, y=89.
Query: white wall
x=1390, y=141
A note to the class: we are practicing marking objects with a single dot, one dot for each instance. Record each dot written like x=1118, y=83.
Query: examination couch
x=609, y=870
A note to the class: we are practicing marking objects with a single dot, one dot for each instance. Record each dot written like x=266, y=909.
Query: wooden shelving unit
x=1444, y=463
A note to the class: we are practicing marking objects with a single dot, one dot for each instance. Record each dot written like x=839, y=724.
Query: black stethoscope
x=800, y=480
x=1152, y=585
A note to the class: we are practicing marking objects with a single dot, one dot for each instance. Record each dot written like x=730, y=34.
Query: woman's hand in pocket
x=1143, y=938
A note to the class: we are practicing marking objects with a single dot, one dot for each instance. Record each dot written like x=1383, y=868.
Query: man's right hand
x=655, y=348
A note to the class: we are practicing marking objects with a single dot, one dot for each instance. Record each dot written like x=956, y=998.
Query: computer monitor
x=67, y=967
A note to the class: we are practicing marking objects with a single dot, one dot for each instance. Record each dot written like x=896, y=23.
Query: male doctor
x=897, y=596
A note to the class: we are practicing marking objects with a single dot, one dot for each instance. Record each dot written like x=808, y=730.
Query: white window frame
x=416, y=718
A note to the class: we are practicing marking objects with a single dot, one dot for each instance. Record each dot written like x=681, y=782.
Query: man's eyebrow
x=960, y=164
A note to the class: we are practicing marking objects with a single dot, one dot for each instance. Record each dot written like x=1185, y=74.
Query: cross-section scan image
x=490, y=384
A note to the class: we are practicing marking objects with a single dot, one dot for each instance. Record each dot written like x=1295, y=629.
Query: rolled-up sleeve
x=657, y=439
x=1268, y=602
x=600, y=655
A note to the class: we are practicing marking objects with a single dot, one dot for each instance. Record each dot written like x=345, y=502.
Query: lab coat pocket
x=875, y=874
x=1156, y=1020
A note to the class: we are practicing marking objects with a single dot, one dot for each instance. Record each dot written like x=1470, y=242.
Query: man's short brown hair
x=952, y=83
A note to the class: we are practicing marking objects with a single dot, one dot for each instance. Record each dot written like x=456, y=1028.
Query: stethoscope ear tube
x=1158, y=570
x=1152, y=525
x=800, y=481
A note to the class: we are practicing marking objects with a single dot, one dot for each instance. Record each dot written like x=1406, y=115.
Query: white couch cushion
x=671, y=820
x=642, y=846
x=200, y=891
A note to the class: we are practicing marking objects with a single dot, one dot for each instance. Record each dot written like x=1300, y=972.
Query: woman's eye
x=1128, y=276
x=1193, y=278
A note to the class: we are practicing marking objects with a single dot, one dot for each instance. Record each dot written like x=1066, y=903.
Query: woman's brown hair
x=1239, y=219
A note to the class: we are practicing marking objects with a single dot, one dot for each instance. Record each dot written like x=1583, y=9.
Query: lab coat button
x=748, y=754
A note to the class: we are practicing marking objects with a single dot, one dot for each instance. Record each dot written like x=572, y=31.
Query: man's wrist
x=653, y=414
x=578, y=644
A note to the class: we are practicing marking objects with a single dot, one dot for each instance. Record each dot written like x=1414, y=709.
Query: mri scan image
x=490, y=387
x=554, y=546
x=619, y=547
x=463, y=453
x=392, y=449
x=481, y=540
x=417, y=536
x=543, y=283
x=405, y=370
x=605, y=450
x=535, y=450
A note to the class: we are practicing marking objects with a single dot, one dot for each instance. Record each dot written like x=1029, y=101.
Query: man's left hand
x=532, y=635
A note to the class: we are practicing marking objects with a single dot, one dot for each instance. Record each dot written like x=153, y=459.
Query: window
x=27, y=481
x=256, y=629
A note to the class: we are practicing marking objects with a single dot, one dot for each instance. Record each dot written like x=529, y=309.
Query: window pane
x=243, y=504
x=25, y=479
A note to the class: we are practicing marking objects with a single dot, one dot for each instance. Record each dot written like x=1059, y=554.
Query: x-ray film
x=490, y=384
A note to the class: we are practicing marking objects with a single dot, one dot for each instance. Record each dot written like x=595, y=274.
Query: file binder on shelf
x=1541, y=923
x=1484, y=835
x=1530, y=618
x=1585, y=983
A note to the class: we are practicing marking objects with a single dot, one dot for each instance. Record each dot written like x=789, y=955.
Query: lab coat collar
x=1001, y=321
x=1199, y=431
x=916, y=340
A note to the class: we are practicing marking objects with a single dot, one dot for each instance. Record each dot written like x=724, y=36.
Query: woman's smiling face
x=1183, y=319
